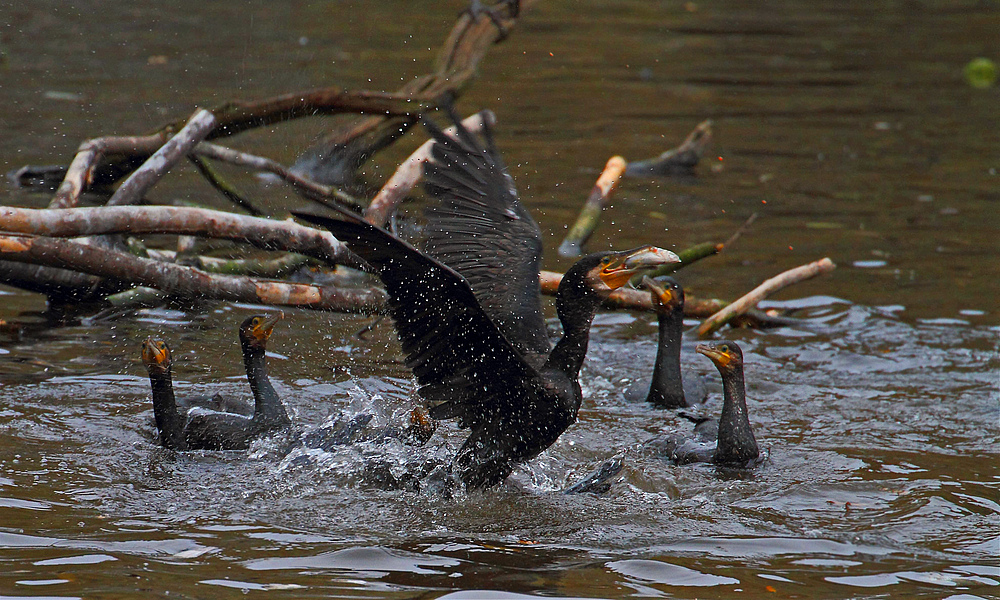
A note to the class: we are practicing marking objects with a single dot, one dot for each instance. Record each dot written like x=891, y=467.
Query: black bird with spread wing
x=468, y=313
x=468, y=367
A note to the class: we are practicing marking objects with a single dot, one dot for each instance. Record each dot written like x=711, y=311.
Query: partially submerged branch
x=265, y=234
x=678, y=161
x=590, y=214
x=410, y=172
x=764, y=290
x=180, y=281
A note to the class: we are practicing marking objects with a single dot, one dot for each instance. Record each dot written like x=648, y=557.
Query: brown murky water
x=847, y=127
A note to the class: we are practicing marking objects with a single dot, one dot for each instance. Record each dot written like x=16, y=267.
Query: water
x=880, y=412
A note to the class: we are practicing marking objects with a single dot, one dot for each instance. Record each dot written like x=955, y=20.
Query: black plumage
x=467, y=367
x=730, y=440
x=201, y=429
x=667, y=387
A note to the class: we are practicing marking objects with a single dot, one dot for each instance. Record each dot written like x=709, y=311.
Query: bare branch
x=764, y=290
x=310, y=189
x=266, y=234
x=183, y=281
x=142, y=179
x=590, y=214
x=678, y=161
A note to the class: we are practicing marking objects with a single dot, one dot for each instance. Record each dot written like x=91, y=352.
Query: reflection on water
x=848, y=128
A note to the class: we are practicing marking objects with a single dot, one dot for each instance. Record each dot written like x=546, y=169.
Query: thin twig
x=739, y=232
x=311, y=190
x=224, y=187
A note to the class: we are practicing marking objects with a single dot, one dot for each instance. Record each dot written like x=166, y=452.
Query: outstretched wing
x=480, y=229
x=459, y=357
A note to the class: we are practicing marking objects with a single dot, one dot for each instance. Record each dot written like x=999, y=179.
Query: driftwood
x=677, y=161
x=265, y=234
x=182, y=281
x=590, y=214
x=762, y=291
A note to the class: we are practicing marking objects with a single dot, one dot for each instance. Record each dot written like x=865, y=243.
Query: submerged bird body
x=201, y=429
x=667, y=388
x=730, y=441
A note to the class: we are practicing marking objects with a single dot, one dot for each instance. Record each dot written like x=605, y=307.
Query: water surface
x=847, y=128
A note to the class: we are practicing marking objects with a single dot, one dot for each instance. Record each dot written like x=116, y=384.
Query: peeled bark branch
x=265, y=234
x=590, y=214
x=764, y=290
x=181, y=281
x=631, y=299
x=166, y=156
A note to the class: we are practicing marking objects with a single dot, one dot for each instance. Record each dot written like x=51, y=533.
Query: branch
x=409, y=173
x=224, y=187
x=590, y=214
x=309, y=189
x=631, y=299
x=182, y=281
x=265, y=234
x=151, y=171
x=679, y=161
x=764, y=290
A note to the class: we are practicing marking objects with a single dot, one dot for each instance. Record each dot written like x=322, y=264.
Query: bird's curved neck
x=666, y=389
x=737, y=444
x=168, y=422
x=576, y=306
x=266, y=402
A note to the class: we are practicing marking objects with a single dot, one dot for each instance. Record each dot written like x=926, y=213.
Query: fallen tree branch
x=632, y=299
x=678, y=161
x=316, y=192
x=265, y=234
x=409, y=173
x=590, y=214
x=81, y=172
x=764, y=290
x=166, y=156
x=185, y=282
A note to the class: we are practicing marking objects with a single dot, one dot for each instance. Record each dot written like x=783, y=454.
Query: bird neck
x=666, y=389
x=737, y=444
x=168, y=422
x=267, y=406
x=576, y=305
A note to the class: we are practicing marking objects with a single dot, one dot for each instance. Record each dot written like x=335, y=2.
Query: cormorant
x=464, y=362
x=209, y=430
x=666, y=388
x=729, y=441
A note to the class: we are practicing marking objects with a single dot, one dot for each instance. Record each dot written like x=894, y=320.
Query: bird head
x=727, y=356
x=255, y=330
x=156, y=355
x=667, y=294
